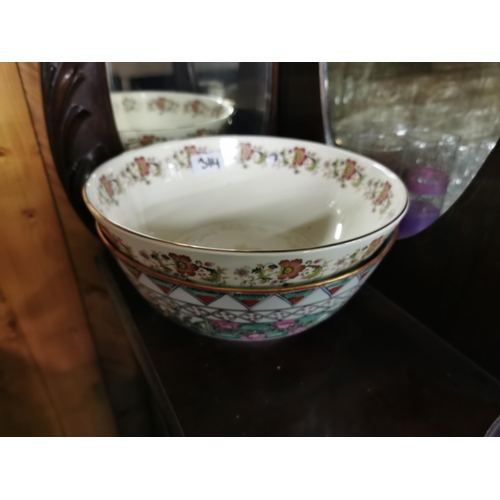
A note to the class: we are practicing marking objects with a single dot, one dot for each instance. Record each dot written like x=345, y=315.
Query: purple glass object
x=427, y=187
x=426, y=181
x=421, y=214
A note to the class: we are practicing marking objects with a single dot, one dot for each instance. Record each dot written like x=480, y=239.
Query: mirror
x=86, y=102
x=388, y=111
x=157, y=102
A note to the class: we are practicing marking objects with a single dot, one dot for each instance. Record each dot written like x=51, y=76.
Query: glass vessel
x=428, y=162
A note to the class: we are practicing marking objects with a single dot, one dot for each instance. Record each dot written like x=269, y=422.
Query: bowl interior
x=247, y=193
x=157, y=111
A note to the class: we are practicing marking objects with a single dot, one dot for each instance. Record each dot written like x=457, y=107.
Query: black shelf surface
x=371, y=370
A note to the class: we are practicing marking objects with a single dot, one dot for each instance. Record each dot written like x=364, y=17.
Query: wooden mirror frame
x=80, y=124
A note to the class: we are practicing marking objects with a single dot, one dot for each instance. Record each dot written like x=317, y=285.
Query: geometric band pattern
x=245, y=315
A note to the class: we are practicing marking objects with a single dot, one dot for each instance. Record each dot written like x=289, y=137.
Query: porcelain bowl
x=242, y=314
x=264, y=211
x=144, y=118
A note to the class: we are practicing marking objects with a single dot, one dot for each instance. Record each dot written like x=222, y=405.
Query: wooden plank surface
x=25, y=405
x=43, y=316
x=119, y=366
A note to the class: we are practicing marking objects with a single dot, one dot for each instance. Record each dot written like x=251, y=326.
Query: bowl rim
x=251, y=290
x=228, y=104
x=99, y=217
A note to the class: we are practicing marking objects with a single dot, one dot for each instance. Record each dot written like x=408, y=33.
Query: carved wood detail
x=80, y=124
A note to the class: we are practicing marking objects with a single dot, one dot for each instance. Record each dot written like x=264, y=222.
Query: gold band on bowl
x=127, y=260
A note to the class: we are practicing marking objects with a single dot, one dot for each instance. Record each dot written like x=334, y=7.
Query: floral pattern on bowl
x=140, y=170
x=144, y=118
x=149, y=139
x=281, y=273
x=241, y=315
x=345, y=172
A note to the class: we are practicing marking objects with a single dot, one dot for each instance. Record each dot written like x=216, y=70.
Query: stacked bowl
x=246, y=238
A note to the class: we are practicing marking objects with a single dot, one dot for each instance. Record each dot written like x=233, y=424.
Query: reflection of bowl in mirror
x=246, y=210
x=144, y=118
x=243, y=314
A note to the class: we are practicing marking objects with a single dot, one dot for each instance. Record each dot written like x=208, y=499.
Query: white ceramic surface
x=144, y=118
x=273, y=212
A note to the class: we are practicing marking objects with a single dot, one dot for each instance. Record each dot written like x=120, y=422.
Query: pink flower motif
x=144, y=255
x=290, y=269
x=228, y=325
x=297, y=330
x=183, y=264
x=384, y=194
x=246, y=151
x=255, y=336
x=373, y=245
x=107, y=185
x=210, y=264
x=195, y=106
x=282, y=325
x=317, y=261
x=190, y=150
x=147, y=140
x=350, y=169
x=160, y=102
x=299, y=157
x=143, y=166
